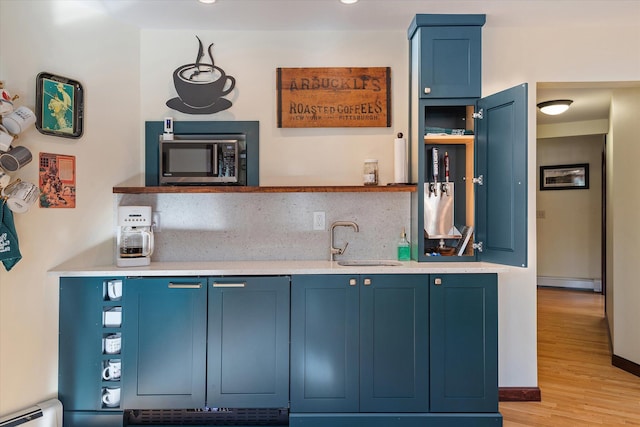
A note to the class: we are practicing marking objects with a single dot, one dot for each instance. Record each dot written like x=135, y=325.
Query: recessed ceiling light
x=348, y=1
x=207, y=1
x=555, y=107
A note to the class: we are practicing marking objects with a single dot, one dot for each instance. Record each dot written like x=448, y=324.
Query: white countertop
x=270, y=268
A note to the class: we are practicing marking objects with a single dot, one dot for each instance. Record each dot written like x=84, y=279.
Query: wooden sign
x=334, y=97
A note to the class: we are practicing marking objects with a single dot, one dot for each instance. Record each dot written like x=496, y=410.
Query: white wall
x=569, y=221
x=74, y=40
x=624, y=205
x=115, y=64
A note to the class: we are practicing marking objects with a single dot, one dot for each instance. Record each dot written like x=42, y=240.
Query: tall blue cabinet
x=485, y=140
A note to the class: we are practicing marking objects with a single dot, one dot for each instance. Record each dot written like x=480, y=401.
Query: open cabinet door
x=501, y=160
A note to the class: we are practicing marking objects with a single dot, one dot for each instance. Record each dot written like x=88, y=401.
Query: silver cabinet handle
x=229, y=285
x=367, y=282
x=427, y=90
x=437, y=281
x=185, y=285
x=353, y=282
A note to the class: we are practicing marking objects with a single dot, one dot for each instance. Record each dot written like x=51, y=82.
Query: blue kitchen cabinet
x=81, y=360
x=248, y=342
x=464, y=343
x=165, y=339
x=485, y=140
x=358, y=344
x=202, y=341
x=449, y=51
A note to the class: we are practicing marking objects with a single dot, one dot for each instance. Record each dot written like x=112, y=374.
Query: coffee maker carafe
x=135, y=236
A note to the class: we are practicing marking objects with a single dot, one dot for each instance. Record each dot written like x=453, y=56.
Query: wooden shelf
x=276, y=189
x=449, y=139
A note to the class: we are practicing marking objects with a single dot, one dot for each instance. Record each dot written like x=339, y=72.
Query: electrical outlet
x=318, y=221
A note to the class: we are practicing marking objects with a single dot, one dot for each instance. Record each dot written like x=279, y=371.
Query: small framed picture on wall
x=59, y=106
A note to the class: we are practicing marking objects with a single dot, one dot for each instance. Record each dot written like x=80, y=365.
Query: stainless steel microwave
x=203, y=160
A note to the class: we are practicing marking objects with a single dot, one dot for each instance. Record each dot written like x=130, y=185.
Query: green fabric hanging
x=9, y=250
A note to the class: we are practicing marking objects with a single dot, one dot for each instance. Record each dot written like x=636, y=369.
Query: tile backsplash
x=273, y=226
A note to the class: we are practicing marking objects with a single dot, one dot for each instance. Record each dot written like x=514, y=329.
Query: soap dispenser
x=404, y=248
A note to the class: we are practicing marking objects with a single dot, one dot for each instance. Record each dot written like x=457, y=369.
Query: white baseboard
x=570, y=282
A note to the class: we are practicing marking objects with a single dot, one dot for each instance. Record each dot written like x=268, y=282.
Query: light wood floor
x=579, y=385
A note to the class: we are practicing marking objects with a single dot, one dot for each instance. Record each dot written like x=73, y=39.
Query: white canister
x=370, y=176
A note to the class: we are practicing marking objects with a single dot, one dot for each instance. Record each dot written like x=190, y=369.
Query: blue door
x=164, y=343
x=324, y=343
x=394, y=343
x=464, y=342
x=248, y=345
x=501, y=159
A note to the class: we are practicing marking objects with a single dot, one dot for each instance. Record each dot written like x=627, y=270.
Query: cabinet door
x=248, y=342
x=324, y=343
x=80, y=343
x=164, y=348
x=464, y=342
x=394, y=343
x=450, y=62
x=501, y=158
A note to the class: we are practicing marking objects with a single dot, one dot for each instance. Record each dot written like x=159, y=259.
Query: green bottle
x=404, y=248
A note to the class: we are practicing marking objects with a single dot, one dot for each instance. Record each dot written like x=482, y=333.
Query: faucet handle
x=344, y=249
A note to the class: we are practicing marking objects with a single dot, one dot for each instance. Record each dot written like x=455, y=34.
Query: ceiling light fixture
x=555, y=107
x=207, y=1
x=348, y=1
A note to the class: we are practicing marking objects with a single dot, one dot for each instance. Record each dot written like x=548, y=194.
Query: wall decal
x=201, y=86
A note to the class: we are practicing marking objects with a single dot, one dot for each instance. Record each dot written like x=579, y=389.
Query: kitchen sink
x=373, y=263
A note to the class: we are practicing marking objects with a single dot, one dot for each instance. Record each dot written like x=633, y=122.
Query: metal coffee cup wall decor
x=201, y=86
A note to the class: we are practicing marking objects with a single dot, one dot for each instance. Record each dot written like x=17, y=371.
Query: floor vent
x=209, y=417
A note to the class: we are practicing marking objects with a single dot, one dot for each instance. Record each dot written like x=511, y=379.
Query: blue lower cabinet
x=464, y=342
x=164, y=343
x=87, y=316
x=248, y=342
x=359, y=343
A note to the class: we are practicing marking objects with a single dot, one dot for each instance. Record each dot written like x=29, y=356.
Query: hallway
x=579, y=386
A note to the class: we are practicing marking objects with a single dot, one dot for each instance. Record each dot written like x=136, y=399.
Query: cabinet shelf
x=449, y=139
x=400, y=188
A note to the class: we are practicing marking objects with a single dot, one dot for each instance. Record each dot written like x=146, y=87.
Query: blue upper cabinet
x=469, y=154
x=449, y=48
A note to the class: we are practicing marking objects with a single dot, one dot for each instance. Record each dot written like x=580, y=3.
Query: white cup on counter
x=111, y=397
x=112, y=370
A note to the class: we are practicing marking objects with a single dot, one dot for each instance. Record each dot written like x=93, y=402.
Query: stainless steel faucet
x=339, y=251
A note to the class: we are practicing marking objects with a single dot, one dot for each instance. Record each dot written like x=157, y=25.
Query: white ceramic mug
x=19, y=120
x=112, y=318
x=112, y=370
x=15, y=158
x=114, y=289
x=112, y=344
x=5, y=139
x=111, y=397
x=21, y=196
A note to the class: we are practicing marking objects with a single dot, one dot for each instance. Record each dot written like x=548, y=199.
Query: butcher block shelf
x=401, y=188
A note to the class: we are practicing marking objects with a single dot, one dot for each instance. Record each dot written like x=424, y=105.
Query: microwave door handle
x=215, y=159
